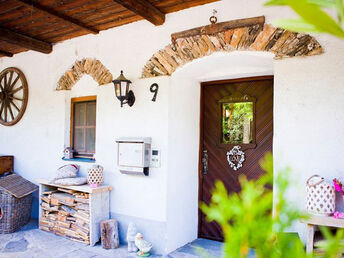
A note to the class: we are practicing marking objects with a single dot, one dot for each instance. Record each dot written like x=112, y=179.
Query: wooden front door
x=236, y=132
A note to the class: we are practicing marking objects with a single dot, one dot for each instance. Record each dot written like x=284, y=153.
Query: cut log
x=45, y=199
x=85, y=228
x=78, y=216
x=45, y=223
x=54, y=201
x=61, y=218
x=64, y=198
x=83, y=214
x=109, y=234
x=64, y=224
x=68, y=209
x=44, y=228
x=47, y=207
x=66, y=190
x=71, y=219
x=49, y=192
x=52, y=216
x=64, y=213
x=82, y=206
x=80, y=196
x=82, y=200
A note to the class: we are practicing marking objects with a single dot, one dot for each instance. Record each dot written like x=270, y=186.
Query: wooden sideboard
x=59, y=210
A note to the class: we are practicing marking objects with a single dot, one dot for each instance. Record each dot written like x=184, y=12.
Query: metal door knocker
x=235, y=157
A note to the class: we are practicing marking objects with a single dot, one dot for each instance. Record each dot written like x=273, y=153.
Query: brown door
x=236, y=132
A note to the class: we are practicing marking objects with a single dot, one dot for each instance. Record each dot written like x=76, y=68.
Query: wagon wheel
x=13, y=96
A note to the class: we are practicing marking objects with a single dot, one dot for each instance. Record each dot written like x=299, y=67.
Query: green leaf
x=275, y=2
x=323, y=3
x=314, y=15
x=297, y=25
x=340, y=10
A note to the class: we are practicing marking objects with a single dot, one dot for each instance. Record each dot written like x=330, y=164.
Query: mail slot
x=133, y=155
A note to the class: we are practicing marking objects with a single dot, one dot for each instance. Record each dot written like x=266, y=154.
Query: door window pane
x=237, y=123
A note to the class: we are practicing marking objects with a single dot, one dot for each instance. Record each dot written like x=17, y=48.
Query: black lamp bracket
x=131, y=98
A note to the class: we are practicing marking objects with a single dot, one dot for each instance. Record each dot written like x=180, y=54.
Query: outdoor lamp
x=122, y=90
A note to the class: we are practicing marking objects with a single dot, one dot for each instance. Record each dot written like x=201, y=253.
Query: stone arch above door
x=282, y=43
x=92, y=67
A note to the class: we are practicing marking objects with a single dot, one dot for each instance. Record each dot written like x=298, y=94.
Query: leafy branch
x=249, y=222
x=312, y=17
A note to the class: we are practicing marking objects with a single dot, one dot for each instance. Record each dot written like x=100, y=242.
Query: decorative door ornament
x=13, y=96
x=235, y=157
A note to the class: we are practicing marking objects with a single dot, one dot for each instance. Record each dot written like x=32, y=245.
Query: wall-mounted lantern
x=122, y=90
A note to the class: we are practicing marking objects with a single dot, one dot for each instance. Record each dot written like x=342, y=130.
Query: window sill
x=80, y=160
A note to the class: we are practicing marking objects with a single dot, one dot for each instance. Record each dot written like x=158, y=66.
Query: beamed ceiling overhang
x=39, y=24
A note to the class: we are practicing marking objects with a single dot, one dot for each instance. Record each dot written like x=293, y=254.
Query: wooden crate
x=6, y=164
x=53, y=218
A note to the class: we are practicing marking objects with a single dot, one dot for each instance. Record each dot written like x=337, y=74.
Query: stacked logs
x=66, y=213
x=92, y=67
x=282, y=43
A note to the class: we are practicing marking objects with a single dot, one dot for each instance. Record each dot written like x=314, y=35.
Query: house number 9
x=154, y=89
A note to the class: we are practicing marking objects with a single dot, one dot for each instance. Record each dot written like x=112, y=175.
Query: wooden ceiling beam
x=51, y=12
x=25, y=41
x=4, y=53
x=145, y=9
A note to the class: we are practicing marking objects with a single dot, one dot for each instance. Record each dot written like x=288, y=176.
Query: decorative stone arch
x=92, y=67
x=257, y=37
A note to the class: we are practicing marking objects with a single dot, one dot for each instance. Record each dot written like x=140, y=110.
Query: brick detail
x=92, y=67
x=254, y=38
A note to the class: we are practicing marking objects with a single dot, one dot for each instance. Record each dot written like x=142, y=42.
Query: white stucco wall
x=308, y=106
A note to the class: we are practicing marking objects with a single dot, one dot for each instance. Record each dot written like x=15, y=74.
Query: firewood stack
x=66, y=213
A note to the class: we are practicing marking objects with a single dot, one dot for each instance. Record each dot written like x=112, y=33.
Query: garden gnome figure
x=131, y=233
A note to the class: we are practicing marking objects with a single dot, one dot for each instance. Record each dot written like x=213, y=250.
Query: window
x=237, y=121
x=83, y=126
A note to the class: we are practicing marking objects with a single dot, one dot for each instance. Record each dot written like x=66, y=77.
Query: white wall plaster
x=308, y=111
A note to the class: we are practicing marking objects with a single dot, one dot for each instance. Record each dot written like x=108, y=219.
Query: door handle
x=205, y=162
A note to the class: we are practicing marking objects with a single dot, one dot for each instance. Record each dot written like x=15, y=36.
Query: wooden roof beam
x=25, y=41
x=51, y=12
x=145, y=9
x=4, y=53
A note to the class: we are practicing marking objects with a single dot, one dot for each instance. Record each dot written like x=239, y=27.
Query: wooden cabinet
x=6, y=164
x=73, y=211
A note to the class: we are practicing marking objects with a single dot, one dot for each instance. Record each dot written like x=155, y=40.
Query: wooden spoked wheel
x=14, y=94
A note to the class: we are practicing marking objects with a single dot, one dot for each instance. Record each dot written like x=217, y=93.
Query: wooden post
x=109, y=234
x=310, y=238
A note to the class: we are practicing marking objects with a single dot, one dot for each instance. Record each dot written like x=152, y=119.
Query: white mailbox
x=133, y=155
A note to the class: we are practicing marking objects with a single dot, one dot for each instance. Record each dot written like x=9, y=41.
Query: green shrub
x=249, y=221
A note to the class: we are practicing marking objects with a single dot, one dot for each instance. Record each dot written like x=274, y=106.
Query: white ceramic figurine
x=143, y=246
x=131, y=233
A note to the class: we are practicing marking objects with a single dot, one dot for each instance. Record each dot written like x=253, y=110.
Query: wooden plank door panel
x=259, y=88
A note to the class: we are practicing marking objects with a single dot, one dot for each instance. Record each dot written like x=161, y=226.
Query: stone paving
x=30, y=242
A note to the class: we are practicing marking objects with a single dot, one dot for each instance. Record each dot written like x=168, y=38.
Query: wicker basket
x=320, y=196
x=14, y=212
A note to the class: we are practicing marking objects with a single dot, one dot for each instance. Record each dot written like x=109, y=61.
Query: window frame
x=72, y=117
